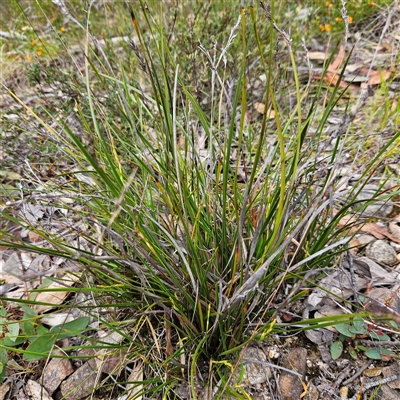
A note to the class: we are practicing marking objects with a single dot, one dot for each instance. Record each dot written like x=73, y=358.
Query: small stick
x=358, y=373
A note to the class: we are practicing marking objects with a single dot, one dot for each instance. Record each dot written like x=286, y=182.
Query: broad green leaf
x=13, y=331
x=380, y=336
x=386, y=352
x=45, y=340
x=3, y=362
x=70, y=328
x=10, y=343
x=374, y=354
x=3, y=319
x=358, y=327
x=393, y=323
x=336, y=350
x=352, y=353
x=28, y=330
x=358, y=322
x=41, y=346
x=362, y=299
x=344, y=329
x=41, y=330
x=29, y=311
x=358, y=330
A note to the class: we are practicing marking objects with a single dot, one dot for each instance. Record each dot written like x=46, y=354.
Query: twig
x=380, y=343
x=343, y=375
x=358, y=373
x=372, y=384
x=12, y=35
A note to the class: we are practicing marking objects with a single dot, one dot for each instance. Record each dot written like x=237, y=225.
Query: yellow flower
x=338, y=20
x=39, y=51
x=33, y=43
x=30, y=58
x=328, y=4
x=371, y=3
x=350, y=19
x=62, y=29
x=325, y=28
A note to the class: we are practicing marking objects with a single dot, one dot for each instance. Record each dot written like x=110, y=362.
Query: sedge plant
x=195, y=221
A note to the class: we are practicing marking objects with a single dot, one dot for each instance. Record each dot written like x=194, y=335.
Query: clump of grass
x=202, y=247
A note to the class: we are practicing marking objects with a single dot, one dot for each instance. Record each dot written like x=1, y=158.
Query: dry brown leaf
x=388, y=357
x=354, y=243
x=349, y=222
x=372, y=372
x=370, y=227
x=260, y=108
x=169, y=347
x=346, y=220
x=4, y=388
x=337, y=62
x=374, y=229
x=375, y=77
x=332, y=78
x=34, y=237
x=135, y=376
x=316, y=55
x=55, y=298
x=379, y=232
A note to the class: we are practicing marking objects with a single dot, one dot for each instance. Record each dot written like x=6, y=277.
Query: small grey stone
x=396, y=246
x=376, y=208
x=365, y=239
x=394, y=227
x=381, y=252
x=255, y=370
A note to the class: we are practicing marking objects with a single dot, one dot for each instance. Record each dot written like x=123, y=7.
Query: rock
x=388, y=386
x=253, y=372
x=36, y=391
x=105, y=362
x=382, y=252
x=4, y=389
x=394, y=227
x=396, y=246
x=391, y=371
x=80, y=384
x=252, y=359
x=376, y=208
x=55, y=372
x=388, y=393
x=290, y=385
x=384, y=302
x=365, y=239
